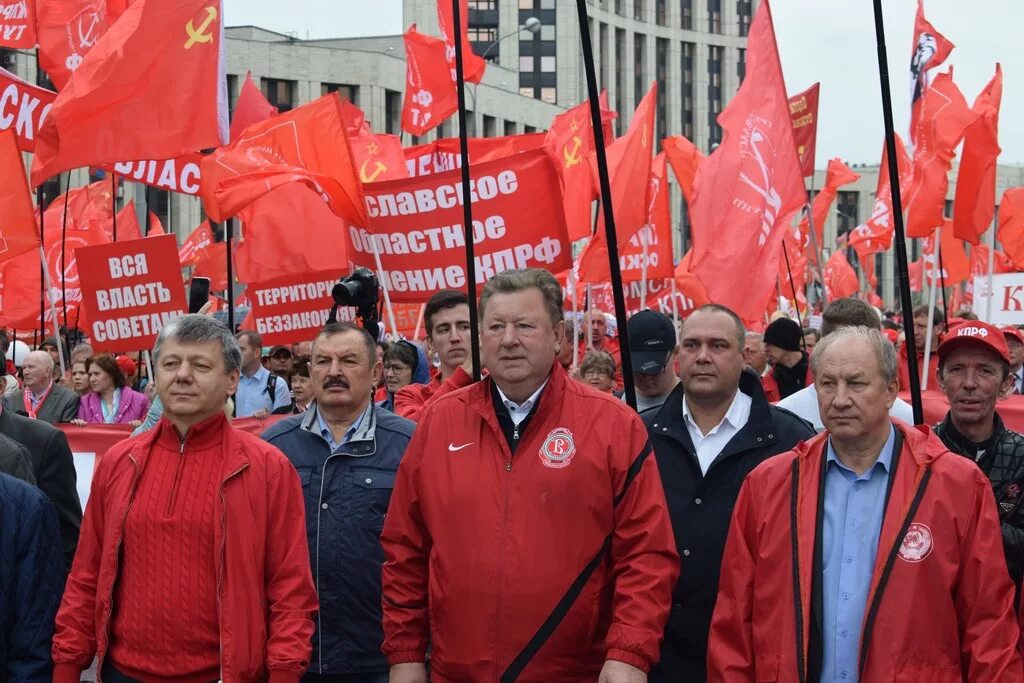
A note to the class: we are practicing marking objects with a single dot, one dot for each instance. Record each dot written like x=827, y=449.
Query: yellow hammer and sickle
x=199, y=35
x=367, y=178
x=572, y=157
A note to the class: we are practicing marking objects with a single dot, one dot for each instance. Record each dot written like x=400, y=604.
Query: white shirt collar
x=518, y=412
x=736, y=416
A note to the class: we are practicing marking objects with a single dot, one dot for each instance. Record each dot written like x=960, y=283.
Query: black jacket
x=15, y=460
x=54, y=469
x=701, y=510
x=1002, y=461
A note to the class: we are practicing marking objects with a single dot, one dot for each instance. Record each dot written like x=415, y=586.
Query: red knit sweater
x=164, y=627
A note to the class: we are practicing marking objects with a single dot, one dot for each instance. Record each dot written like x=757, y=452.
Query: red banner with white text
x=23, y=107
x=295, y=308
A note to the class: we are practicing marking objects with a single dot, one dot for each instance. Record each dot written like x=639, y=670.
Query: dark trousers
x=376, y=677
x=112, y=675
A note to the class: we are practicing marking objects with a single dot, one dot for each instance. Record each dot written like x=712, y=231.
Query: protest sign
x=294, y=308
x=1007, y=297
x=415, y=225
x=443, y=155
x=130, y=290
x=181, y=174
x=23, y=107
x=17, y=24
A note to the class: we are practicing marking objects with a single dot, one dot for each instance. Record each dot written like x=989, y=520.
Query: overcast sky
x=832, y=41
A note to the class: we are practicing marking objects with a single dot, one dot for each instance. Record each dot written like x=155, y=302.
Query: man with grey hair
x=867, y=553
x=193, y=563
x=43, y=398
x=527, y=536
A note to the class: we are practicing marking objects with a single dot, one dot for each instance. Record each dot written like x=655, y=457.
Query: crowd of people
x=767, y=512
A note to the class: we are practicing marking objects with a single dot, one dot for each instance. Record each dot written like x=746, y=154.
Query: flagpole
x=814, y=244
x=575, y=318
x=229, y=235
x=792, y=289
x=675, y=308
x=936, y=258
x=63, y=252
x=53, y=310
x=387, y=297
x=467, y=204
x=419, y=322
x=942, y=280
x=643, y=270
x=991, y=268
x=42, y=263
x=606, y=202
x=588, y=314
x=113, y=201
x=900, y=241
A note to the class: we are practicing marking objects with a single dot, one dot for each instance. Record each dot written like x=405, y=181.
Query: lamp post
x=532, y=24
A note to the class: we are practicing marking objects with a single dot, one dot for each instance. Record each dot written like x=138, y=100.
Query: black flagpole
x=229, y=234
x=792, y=289
x=63, y=253
x=606, y=202
x=113, y=201
x=149, y=213
x=900, y=240
x=42, y=264
x=946, y=313
x=467, y=207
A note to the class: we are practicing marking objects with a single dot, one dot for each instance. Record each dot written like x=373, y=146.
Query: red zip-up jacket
x=482, y=546
x=412, y=399
x=265, y=586
x=940, y=606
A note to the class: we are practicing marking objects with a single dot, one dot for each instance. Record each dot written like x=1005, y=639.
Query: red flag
x=748, y=189
x=88, y=207
x=1011, y=225
x=804, y=110
x=284, y=149
x=837, y=175
x=18, y=232
x=153, y=88
x=67, y=31
x=915, y=274
x=975, y=202
x=956, y=267
x=570, y=141
x=195, y=244
x=213, y=263
x=430, y=95
x=1001, y=263
x=155, y=226
x=929, y=50
x=115, y=8
x=289, y=231
x=685, y=159
x=128, y=223
x=875, y=234
x=944, y=118
x=378, y=157
x=18, y=24
x=23, y=108
x=252, y=107
x=472, y=64
x=840, y=278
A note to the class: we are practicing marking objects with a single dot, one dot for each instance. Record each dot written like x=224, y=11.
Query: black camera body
x=361, y=291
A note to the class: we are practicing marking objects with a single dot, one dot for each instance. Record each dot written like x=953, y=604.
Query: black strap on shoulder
x=272, y=387
x=533, y=646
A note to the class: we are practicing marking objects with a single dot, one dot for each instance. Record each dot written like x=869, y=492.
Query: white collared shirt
x=519, y=412
x=709, y=445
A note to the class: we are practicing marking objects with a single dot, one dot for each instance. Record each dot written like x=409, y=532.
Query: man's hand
x=408, y=673
x=616, y=672
x=261, y=414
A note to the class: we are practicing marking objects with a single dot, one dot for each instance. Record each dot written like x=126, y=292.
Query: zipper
x=501, y=551
x=223, y=558
x=177, y=478
x=316, y=578
x=117, y=562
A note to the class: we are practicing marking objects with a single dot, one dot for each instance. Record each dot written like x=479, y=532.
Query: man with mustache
x=346, y=451
x=974, y=370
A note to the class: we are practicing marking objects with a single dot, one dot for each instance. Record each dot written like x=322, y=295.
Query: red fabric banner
x=130, y=290
x=181, y=174
x=378, y=157
x=252, y=107
x=23, y=107
x=956, y=267
x=430, y=94
x=473, y=64
x=212, y=262
x=840, y=279
x=443, y=155
x=975, y=204
x=875, y=234
x=685, y=160
x=195, y=244
x=18, y=232
x=416, y=226
x=18, y=24
x=804, y=110
x=928, y=51
x=67, y=31
x=1011, y=225
x=294, y=308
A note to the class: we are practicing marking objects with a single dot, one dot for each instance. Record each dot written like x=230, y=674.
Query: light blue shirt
x=328, y=436
x=252, y=395
x=854, y=510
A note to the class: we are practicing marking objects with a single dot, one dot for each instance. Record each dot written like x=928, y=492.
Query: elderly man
x=974, y=370
x=869, y=553
x=193, y=564
x=713, y=429
x=753, y=353
x=597, y=325
x=42, y=398
x=346, y=451
x=653, y=351
x=846, y=312
x=527, y=537
x=920, y=337
x=1015, y=345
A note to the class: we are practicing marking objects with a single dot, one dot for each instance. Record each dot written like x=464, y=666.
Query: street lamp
x=532, y=25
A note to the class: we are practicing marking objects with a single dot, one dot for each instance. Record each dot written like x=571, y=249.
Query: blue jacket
x=347, y=496
x=31, y=581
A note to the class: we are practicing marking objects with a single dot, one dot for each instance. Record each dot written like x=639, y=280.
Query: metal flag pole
x=792, y=289
x=63, y=253
x=42, y=263
x=47, y=285
x=606, y=202
x=419, y=322
x=575, y=318
x=991, y=267
x=113, y=201
x=814, y=244
x=900, y=241
x=467, y=202
x=937, y=259
x=942, y=283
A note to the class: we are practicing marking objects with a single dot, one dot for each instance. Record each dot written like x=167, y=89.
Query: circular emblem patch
x=917, y=544
x=558, y=448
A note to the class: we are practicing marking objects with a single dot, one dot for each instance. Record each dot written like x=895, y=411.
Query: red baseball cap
x=1009, y=331
x=978, y=334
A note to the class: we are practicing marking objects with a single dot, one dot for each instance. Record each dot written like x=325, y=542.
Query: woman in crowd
x=111, y=401
x=79, y=378
x=405, y=363
x=598, y=370
x=302, y=387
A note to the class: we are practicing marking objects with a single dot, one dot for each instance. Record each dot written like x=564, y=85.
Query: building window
x=661, y=76
x=529, y=129
x=687, y=14
x=442, y=130
x=744, y=11
x=490, y=126
x=603, y=31
x=549, y=95
x=470, y=123
x=525, y=4
x=161, y=206
x=660, y=12
x=232, y=94
x=639, y=67
x=620, y=76
x=686, y=89
x=482, y=34
x=846, y=212
x=547, y=64
x=714, y=16
x=619, y=8
x=483, y=4
x=526, y=63
x=948, y=209
x=741, y=64
x=349, y=92
x=280, y=93
x=510, y=128
x=547, y=4
x=393, y=112
x=547, y=32
x=638, y=10
x=526, y=92
x=714, y=94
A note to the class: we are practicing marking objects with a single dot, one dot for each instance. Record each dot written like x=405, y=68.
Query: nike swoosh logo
x=453, y=448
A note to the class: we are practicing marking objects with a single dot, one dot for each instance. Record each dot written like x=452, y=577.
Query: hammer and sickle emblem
x=572, y=156
x=369, y=178
x=199, y=35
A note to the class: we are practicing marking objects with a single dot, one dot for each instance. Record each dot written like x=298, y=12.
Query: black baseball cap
x=651, y=337
x=277, y=350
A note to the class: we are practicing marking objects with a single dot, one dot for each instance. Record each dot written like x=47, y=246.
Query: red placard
x=294, y=309
x=130, y=291
x=416, y=226
x=23, y=107
x=804, y=110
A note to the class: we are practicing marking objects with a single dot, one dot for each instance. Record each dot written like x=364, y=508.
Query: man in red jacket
x=192, y=563
x=446, y=317
x=528, y=537
x=869, y=553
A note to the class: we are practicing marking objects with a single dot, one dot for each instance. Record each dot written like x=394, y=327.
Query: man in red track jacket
x=869, y=553
x=528, y=537
x=192, y=563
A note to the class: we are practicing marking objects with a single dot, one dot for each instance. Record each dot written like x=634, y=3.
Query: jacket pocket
x=371, y=493
x=931, y=673
x=766, y=668
x=305, y=476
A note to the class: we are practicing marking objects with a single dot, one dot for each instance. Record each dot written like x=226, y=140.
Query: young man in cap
x=280, y=361
x=791, y=369
x=1015, y=345
x=653, y=351
x=974, y=370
